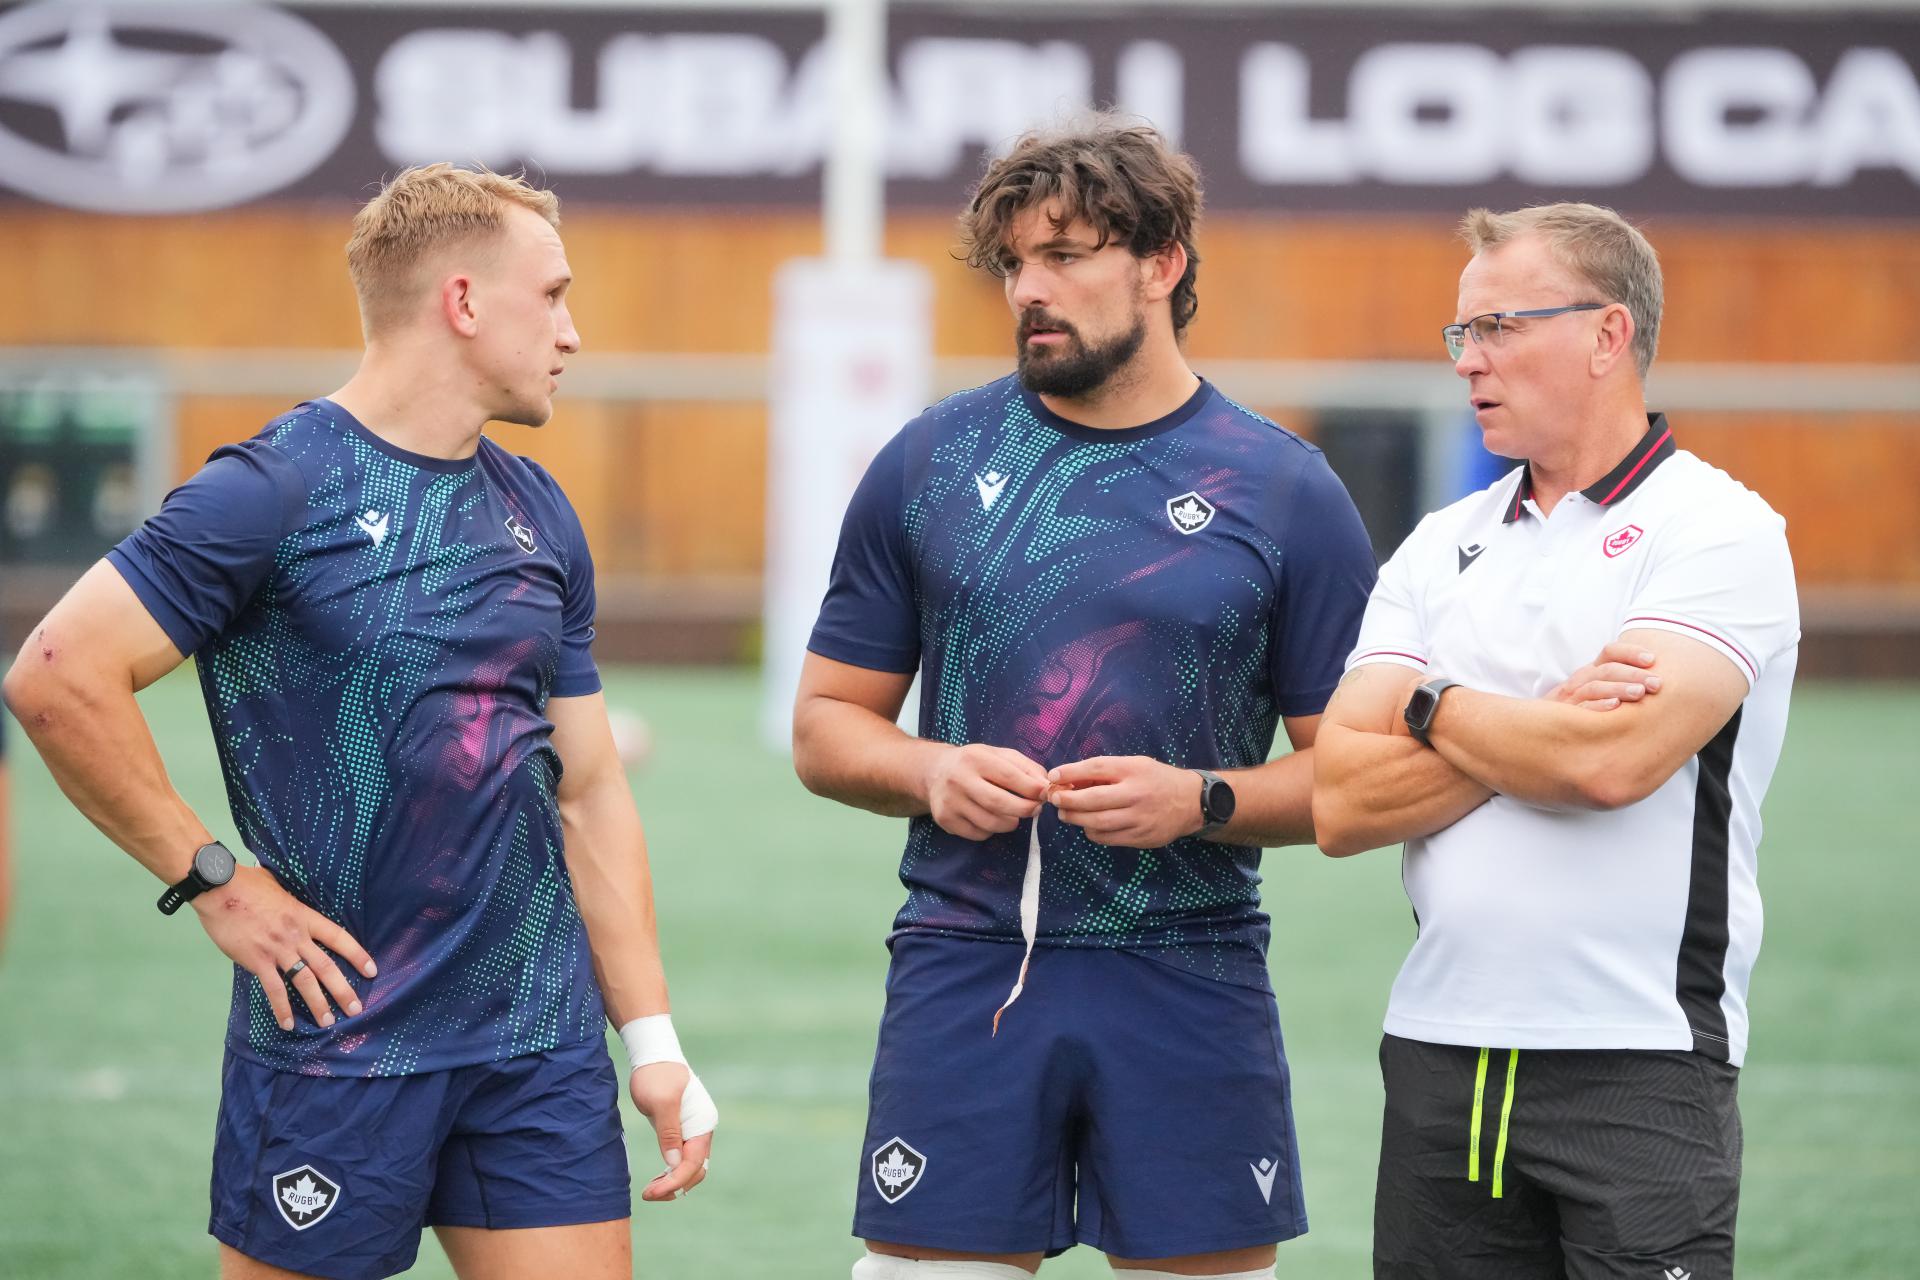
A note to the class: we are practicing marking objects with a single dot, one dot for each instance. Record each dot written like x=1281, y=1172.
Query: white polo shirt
x=1630, y=929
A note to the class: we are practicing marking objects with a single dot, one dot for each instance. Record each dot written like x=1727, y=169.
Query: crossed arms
x=1375, y=785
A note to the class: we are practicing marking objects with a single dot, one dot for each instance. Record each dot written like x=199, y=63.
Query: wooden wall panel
x=220, y=280
x=678, y=490
x=202, y=424
x=1352, y=288
x=664, y=491
x=699, y=504
x=1844, y=484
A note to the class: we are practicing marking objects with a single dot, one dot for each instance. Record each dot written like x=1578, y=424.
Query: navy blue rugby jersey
x=1169, y=590
x=377, y=634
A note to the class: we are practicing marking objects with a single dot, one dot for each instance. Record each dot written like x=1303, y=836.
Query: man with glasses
x=1563, y=1041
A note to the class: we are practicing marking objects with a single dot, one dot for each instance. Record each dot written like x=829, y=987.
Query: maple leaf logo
x=895, y=1170
x=1189, y=512
x=896, y=1167
x=303, y=1197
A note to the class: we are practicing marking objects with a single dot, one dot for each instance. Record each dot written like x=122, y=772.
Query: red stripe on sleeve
x=1737, y=651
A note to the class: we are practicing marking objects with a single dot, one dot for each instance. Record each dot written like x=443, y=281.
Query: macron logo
x=1263, y=1174
x=990, y=486
x=374, y=525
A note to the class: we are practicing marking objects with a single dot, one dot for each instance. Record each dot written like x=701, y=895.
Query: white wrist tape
x=652, y=1039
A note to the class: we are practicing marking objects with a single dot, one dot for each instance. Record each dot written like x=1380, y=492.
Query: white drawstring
x=1029, y=915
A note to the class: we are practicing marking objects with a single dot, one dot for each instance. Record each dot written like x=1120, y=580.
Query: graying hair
x=1599, y=247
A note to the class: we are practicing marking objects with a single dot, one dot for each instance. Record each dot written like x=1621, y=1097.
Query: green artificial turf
x=773, y=907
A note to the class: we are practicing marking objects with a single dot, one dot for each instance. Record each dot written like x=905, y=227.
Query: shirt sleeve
x=577, y=675
x=1326, y=571
x=1724, y=578
x=869, y=617
x=1391, y=631
x=199, y=562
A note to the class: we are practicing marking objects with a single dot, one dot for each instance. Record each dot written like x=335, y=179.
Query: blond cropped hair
x=1603, y=251
x=422, y=210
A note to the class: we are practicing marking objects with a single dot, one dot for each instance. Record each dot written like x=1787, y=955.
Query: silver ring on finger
x=295, y=969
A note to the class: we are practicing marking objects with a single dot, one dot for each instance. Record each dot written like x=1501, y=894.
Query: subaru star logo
x=138, y=108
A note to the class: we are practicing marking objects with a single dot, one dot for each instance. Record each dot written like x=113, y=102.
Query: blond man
x=392, y=619
x=1563, y=1043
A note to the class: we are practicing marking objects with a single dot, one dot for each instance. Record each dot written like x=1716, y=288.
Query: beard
x=1075, y=368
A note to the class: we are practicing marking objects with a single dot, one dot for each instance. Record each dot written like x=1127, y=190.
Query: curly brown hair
x=1125, y=179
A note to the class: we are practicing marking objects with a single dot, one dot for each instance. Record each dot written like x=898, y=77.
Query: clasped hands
x=1134, y=802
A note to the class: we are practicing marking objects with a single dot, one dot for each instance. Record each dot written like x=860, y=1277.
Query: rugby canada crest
x=304, y=1196
x=1620, y=539
x=1190, y=512
x=896, y=1169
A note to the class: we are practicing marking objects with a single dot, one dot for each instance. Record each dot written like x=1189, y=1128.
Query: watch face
x=1220, y=802
x=214, y=864
x=1420, y=709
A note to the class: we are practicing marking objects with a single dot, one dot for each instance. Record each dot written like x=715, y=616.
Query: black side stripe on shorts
x=1702, y=971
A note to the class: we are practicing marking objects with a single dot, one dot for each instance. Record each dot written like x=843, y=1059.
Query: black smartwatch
x=212, y=867
x=1216, y=803
x=1420, y=708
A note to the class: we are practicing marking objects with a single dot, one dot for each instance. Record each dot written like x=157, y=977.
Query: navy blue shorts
x=1126, y=1105
x=337, y=1177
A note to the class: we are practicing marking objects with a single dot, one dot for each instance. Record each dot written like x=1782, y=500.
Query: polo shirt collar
x=1654, y=448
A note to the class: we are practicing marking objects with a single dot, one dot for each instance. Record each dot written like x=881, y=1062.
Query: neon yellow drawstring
x=1479, y=1091
x=1506, y=1109
x=1506, y=1113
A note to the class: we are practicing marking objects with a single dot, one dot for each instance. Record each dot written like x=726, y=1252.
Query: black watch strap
x=1425, y=702
x=1216, y=803
x=213, y=866
x=178, y=895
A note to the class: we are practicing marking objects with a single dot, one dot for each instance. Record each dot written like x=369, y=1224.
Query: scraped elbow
x=25, y=691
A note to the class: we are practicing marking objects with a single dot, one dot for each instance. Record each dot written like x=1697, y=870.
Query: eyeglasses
x=1486, y=329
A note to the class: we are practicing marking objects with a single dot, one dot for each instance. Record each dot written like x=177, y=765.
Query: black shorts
x=1509, y=1164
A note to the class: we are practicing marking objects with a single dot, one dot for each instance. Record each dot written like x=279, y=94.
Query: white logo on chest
x=1190, y=512
x=374, y=525
x=990, y=484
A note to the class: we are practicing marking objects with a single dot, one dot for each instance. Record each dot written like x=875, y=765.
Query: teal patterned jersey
x=1169, y=590
x=377, y=635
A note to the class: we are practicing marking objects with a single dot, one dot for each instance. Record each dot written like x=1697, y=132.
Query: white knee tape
x=882, y=1266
